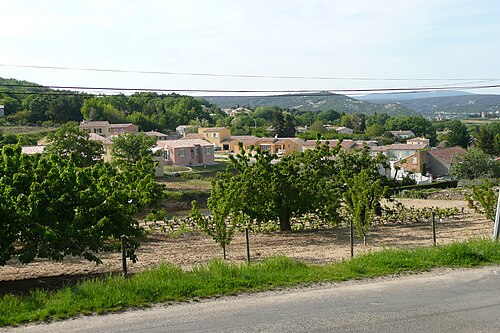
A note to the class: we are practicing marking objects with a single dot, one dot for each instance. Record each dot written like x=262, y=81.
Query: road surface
x=465, y=300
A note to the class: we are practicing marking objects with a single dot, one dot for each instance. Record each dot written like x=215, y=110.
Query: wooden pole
x=496, y=227
x=434, y=228
x=247, y=238
x=351, y=238
x=124, y=256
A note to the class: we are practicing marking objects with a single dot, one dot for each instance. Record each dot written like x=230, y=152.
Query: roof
x=89, y=124
x=400, y=146
x=402, y=132
x=418, y=139
x=446, y=154
x=297, y=141
x=249, y=139
x=183, y=143
x=30, y=150
x=97, y=137
x=213, y=129
x=155, y=133
x=122, y=125
x=190, y=136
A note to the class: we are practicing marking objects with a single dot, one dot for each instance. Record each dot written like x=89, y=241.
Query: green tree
x=457, y=134
x=57, y=208
x=485, y=200
x=362, y=200
x=374, y=130
x=485, y=140
x=68, y=140
x=318, y=126
x=132, y=147
x=475, y=164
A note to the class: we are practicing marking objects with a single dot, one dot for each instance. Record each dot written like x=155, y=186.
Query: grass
x=168, y=283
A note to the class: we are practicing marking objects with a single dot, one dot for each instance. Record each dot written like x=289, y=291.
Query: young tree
x=362, y=200
x=485, y=196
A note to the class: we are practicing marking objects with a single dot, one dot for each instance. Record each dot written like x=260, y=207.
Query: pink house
x=186, y=152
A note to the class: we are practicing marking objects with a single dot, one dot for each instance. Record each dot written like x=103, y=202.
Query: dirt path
x=311, y=246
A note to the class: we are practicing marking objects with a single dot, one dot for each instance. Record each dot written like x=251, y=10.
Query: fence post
x=351, y=238
x=496, y=227
x=434, y=228
x=124, y=256
x=247, y=238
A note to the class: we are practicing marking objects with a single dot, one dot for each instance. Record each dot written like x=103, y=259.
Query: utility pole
x=496, y=228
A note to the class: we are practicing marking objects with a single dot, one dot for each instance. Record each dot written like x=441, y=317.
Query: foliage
x=485, y=140
x=457, y=135
x=484, y=200
x=475, y=164
x=362, y=200
x=70, y=140
x=132, y=147
x=52, y=207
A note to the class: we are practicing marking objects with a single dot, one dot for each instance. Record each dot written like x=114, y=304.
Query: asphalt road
x=443, y=301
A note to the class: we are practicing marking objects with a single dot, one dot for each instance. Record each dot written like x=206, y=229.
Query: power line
x=297, y=92
x=294, y=77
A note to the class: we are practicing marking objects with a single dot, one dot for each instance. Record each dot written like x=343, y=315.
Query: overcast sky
x=414, y=39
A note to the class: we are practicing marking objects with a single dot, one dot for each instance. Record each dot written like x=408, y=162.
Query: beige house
x=105, y=129
x=279, y=146
x=157, y=135
x=436, y=162
x=106, y=144
x=220, y=137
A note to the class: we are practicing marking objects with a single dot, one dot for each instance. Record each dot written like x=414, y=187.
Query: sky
x=339, y=41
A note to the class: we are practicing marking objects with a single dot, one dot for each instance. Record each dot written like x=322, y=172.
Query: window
x=414, y=161
x=208, y=150
x=122, y=130
x=166, y=155
x=116, y=130
x=182, y=152
x=215, y=135
x=265, y=147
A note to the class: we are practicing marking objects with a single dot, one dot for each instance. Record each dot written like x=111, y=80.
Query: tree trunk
x=284, y=219
x=224, y=251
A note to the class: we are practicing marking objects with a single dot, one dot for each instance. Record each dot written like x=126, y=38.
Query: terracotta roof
x=190, y=136
x=298, y=141
x=212, y=129
x=88, y=124
x=248, y=139
x=121, y=125
x=401, y=132
x=446, y=154
x=154, y=133
x=97, y=137
x=183, y=143
x=400, y=146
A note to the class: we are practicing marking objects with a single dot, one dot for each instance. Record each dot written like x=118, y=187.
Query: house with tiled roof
x=186, y=151
x=279, y=146
x=406, y=134
x=105, y=129
x=157, y=135
x=219, y=136
x=436, y=162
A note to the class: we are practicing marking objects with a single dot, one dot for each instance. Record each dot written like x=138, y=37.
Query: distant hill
x=397, y=97
x=458, y=105
x=310, y=102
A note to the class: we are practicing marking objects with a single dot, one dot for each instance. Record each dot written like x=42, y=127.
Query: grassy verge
x=169, y=283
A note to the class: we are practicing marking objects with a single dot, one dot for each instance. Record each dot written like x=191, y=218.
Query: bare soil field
x=323, y=246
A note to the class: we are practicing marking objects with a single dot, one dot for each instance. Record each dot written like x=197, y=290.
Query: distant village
x=415, y=158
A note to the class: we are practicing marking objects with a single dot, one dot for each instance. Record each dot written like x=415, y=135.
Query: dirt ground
x=311, y=246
